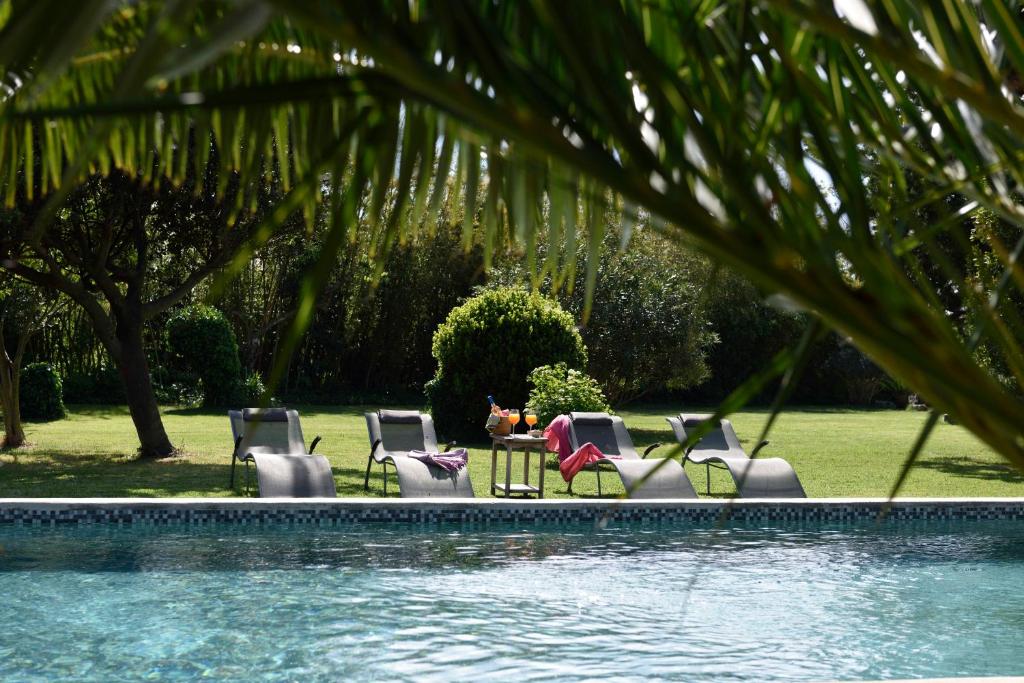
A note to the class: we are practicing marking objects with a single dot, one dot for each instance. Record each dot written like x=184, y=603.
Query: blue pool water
x=630, y=602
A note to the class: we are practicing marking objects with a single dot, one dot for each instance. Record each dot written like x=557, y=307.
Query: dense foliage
x=41, y=393
x=647, y=330
x=488, y=346
x=558, y=389
x=749, y=331
x=719, y=118
x=201, y=338
x=370, y=334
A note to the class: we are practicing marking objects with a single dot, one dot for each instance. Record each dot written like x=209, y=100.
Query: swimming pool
x=798, y=601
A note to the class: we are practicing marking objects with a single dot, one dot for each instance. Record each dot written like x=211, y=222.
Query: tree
x=201, y=338
x=126, y=251
x=714, y=117
x=24, y=310
x=648, y=328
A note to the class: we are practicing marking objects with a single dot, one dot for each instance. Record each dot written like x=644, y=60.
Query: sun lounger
x=393, y=435
x=655, y=478
x=720, y=447
x=271, y=439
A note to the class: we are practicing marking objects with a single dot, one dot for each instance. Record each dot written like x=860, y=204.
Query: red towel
x=569, y=463
x=584, y=455
x=557, y=434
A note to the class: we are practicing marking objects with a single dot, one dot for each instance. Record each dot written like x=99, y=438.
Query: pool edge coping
x=472, y=510
x=370, y=502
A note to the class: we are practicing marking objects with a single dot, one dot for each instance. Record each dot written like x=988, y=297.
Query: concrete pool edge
x=232, y=510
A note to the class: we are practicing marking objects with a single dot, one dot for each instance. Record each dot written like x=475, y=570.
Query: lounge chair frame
x=720, y=448
x=609, y=434
x=410, y=430
x=295, y=438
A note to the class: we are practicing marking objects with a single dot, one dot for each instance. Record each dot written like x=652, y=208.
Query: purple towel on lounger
x=452, y=461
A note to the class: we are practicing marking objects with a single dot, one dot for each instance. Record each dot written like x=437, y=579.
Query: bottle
x=495, y=408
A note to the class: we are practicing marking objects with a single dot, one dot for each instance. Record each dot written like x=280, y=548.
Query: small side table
x=519, y=442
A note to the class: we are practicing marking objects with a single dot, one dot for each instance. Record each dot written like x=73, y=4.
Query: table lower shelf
x=515, y=488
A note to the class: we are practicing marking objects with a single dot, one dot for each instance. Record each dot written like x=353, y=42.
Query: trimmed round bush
x=558, y=390
x=201, y=337
x=41, y=393
x=488, y=346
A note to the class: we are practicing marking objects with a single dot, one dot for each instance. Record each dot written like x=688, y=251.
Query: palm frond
x=748, y=129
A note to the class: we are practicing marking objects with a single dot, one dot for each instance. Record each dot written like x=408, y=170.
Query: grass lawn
x=836, y=452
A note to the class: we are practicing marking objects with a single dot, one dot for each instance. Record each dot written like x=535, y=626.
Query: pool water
x=536, y=602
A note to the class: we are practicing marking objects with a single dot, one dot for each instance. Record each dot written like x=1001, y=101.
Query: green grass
x=837, y=452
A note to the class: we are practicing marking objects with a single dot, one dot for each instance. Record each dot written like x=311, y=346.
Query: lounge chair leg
x=232, y=484
x=366, y=481
x=599, y=482
x=384, y=476
x=247, y=477
x=707, y=470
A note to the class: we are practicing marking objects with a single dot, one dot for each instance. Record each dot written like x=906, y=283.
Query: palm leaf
x=719, y=119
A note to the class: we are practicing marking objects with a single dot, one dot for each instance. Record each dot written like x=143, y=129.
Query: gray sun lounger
x=271, y=439
x=393, y=433
x=665, y=478
x=720, y=447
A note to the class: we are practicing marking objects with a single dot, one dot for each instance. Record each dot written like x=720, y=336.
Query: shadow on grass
x=95, y=410
x=963, y=466
x=89, y=475
x=93, y=475
x=305, y=410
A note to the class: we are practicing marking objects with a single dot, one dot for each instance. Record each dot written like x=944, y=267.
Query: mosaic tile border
x=199, y=511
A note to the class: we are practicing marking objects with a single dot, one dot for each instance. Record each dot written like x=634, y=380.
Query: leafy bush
x=750, y=332
x=489, y=345
x=558, y=389
x=253, y=389
x=103, y=385
x=41, y=393
x=201, y=338
x=861, y=379
x=647, y=330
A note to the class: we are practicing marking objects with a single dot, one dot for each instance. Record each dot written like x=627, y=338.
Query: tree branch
x=162, y=303
x=103, y=325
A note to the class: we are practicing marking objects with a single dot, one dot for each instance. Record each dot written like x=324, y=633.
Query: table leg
x=540, y=488
x=508, y=471
x=526, y=465
x=494, y=464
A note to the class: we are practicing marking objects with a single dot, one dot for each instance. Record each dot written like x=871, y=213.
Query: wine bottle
x=495, y=408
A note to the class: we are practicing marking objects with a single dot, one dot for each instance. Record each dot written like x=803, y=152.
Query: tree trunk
x=138, y=387
x=14, y=432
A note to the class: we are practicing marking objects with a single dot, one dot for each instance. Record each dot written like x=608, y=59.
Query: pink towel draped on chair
x=584, y=455
x=569, y=462
x=557, y=434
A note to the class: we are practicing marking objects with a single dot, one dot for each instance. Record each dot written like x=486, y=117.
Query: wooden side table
x=519, y=442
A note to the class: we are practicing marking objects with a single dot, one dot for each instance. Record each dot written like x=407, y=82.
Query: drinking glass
x=513, y=418
x=530, y=418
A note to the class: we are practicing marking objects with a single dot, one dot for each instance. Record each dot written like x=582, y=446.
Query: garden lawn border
x=197, y=511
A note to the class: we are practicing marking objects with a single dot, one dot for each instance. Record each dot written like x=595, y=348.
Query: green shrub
x=648, y=330
x=201, y=338
x=102, y=385
x=861, y=379
x=558, y=389
x=41, y=393
x=489, y=345
x=253, y=389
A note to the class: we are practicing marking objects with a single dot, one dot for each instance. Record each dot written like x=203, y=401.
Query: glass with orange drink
x=513, y=419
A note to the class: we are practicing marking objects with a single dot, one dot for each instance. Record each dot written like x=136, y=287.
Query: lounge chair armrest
x=238, y=442
x=757, y=448
x=647, y=451
x=312, y=445
x=450, y=445
x=373, y=446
